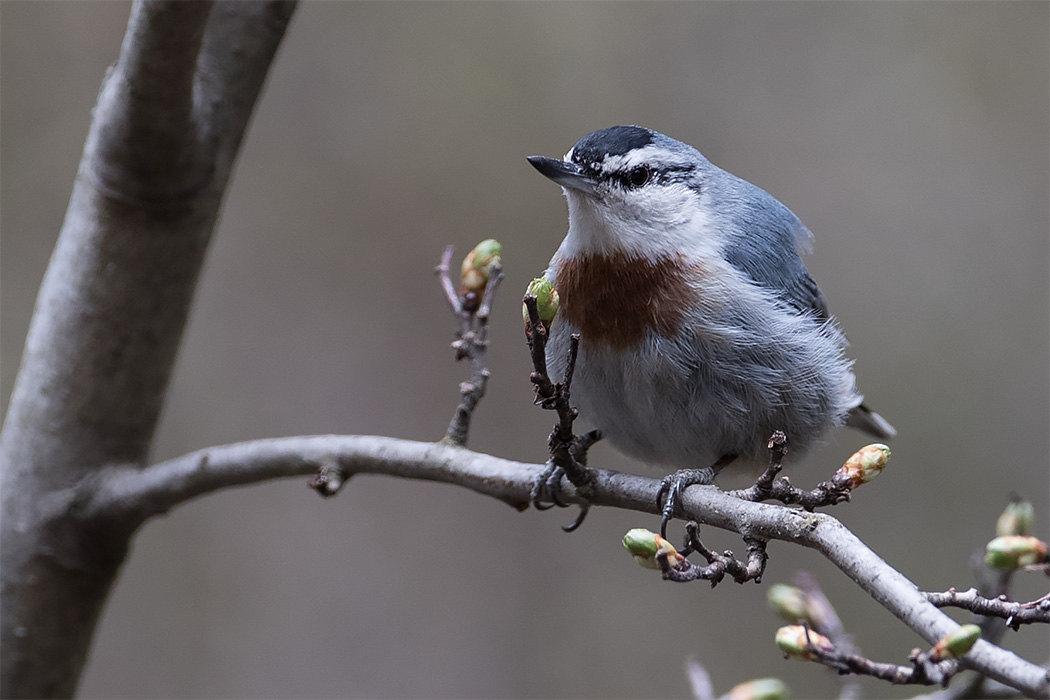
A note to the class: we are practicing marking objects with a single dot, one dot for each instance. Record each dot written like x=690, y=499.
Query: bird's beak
x=564, y=173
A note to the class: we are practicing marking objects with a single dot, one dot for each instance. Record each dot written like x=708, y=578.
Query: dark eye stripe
x=664, y=176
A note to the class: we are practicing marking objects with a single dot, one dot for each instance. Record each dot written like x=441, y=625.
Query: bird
x=700, y=329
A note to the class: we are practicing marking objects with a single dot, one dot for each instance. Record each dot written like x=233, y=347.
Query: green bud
x=477, y=266
x=865, y=464
x=547, y=300
x=956, y=643
x=1016, y=519
x=1014, y=551
x=644, y=546
x=792, y=641
x=760, y=689
x=789, y=603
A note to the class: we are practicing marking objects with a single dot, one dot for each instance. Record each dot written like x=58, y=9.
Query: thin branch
x=472, y=324
x=718, y=565
x=699, y=679
x=442, y=272
x=923, y=671
x=158, y=488
x=768, y=486
x=1015, y=614
x=566, y=449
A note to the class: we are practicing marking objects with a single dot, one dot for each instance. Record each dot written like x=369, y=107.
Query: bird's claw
x=547, y=486
x=546, y=494
x=672, y=486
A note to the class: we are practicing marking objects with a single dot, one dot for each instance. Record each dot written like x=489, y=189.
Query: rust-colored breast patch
x=615, y=299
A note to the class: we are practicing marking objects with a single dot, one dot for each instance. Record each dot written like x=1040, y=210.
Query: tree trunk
x=110, y=314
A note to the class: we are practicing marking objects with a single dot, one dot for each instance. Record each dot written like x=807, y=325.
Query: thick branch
x=111, y=310
x=158, y=488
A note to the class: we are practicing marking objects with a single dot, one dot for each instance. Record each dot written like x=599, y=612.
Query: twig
x=768, y=486
x=567, y=451
x=472, y=319
x=699, y=679
x=1015, y=614
x=924, y=670
x=718, y=565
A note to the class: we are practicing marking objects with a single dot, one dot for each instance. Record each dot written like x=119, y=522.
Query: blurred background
x=911, y=138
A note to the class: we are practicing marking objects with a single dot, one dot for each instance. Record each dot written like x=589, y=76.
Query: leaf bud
x=1016, y=519
x=760, y=689
x=792, y=640
x=547, y=303
x=864, y=465
x=644, y=546
x=1015, y=551
x=789, y=603
x=477, y=266
x=956, y=643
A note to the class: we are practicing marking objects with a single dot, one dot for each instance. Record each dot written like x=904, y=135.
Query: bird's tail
x=863, y=418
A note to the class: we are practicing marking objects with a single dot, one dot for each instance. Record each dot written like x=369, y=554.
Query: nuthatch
x=701, y=331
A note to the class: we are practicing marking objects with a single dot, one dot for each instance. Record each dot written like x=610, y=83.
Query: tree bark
x=110, y=314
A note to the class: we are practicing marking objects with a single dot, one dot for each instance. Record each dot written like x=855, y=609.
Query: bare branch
x=718, y=565
x=699, y=679
x=769, y=486
x=923, y=671
x=1015, y=614
x=566, y=449
x=472, y=326
x=144, y=493
x=442, y=272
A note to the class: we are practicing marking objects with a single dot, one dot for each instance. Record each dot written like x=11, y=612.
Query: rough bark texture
x=111, y=310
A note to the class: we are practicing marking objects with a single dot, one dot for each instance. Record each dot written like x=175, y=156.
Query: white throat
x=672, y=224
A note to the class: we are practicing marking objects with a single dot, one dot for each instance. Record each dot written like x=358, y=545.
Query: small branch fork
x=568, y=452
x=1015, y=614
x=924, y=669
x=718, y=565
x=472, y=324
x=472, y=318
x=768, y=486
x=833, y=647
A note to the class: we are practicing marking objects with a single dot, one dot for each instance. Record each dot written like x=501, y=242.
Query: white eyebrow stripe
x=653, y=155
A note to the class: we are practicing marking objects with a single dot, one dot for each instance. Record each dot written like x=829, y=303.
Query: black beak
x=564, y=173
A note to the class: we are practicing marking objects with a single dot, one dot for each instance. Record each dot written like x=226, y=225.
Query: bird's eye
x=637, y=177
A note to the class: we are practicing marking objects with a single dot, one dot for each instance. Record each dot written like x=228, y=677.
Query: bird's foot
x=547, y=490
x=673, y=484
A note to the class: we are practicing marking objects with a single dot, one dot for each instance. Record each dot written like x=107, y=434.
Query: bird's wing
x=765, y=244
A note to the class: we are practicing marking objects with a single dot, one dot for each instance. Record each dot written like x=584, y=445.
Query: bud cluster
x=476, y=271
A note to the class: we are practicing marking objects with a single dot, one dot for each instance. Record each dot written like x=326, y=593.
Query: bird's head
x=633, y=191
